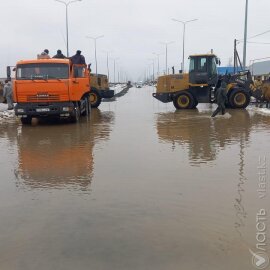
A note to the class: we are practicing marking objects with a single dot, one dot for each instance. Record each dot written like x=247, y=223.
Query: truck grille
x=43, y=97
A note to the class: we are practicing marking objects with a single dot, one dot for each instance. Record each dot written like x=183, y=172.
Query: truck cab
x=203, y=69
x=51, y=88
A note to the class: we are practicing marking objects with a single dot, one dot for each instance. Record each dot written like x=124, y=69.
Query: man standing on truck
x=78, y=59
x=221, y=99
x=59, y=55
x=7, y=93
x=44, y=55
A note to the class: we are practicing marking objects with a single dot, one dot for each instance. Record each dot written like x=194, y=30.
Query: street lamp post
x=153, y=63
x=166, y=53
x=184, y=33
x=245, y=37
x=108, y=66
x=114, y=68
x=67, y=4
x=157, y=55
x=95, y=43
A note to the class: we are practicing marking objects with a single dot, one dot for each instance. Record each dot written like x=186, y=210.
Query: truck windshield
x=42, y=71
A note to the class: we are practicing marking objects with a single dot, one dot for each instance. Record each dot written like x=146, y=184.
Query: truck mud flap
x=163, y=97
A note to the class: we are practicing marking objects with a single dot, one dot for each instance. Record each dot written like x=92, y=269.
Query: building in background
x=227, y=70
x=261, y=69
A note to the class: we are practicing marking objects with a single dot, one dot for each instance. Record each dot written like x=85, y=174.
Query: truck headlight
x=65, y=109
x=20, y=110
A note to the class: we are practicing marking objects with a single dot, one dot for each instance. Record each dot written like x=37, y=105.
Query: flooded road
x=137, y=186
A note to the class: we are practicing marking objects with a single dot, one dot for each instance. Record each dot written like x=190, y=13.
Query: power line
x=263, y=33
x=258, y=42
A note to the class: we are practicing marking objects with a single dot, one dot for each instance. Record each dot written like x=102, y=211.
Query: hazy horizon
x=133, y=30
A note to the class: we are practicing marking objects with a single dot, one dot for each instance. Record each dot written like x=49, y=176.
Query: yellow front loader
x=186, y=90
x=99, y=89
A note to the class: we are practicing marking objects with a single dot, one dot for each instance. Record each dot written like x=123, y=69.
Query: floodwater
x=137, y=186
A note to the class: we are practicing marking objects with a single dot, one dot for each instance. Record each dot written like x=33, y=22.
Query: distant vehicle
x=50, y=88
x=139, y=85
x=99, y=89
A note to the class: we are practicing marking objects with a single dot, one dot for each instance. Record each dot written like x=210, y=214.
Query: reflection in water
x=241, y=214
x=151, y=208
x=8, y=131
x=57, y=156
x=203, y=136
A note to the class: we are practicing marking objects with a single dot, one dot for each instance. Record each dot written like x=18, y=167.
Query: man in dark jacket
x=78, y=58
x=221, y=99
x=59, y=55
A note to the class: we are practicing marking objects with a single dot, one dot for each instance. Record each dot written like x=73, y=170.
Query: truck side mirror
x=8, y=72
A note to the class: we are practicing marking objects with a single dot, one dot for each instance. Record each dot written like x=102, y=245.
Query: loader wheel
x=183, y=100
x=94, y=98
x=239, y=99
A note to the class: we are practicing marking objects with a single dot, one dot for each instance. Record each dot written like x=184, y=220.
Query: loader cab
x=203, y=69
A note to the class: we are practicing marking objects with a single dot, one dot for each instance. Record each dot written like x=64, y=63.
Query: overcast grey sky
x=132, y=29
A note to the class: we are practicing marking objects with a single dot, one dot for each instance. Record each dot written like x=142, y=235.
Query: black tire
x=26, y=120
x=76, y=115
x=239, y=99
x=94, y=98
x=183, y=100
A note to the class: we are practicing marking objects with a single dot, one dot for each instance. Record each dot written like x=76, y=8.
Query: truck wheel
x=26, y=120
x=76, y=116
x=183, y=100
x=239, y=99
x=94, y=98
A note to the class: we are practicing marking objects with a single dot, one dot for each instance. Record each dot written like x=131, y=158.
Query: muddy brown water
x=136, y=186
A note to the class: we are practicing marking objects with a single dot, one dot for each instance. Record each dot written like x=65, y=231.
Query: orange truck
x=51, y=88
